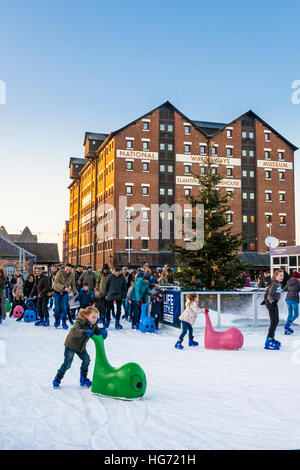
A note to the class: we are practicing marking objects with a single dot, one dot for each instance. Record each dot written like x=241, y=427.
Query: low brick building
x=151, y=161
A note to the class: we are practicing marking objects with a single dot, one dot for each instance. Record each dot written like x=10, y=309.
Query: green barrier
x=127, y=382
x=7, y=306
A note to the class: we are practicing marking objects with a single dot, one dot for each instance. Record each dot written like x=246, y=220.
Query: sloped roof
x=94, y=136
x=45, y=252
x=9, y=250
x=77, y=161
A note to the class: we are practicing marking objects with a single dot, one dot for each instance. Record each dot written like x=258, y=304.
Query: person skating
x=115, y=292
x=64, y=283
x=40, y=290
x=271, y=298
x=292, y=299
x=88, y=277
x=187, y=319
x=2, y=294
x=85, y=327
x=84, y=297
x=98, y=300
x=139, y=290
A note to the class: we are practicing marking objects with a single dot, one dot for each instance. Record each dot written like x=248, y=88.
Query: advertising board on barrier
x=172, y=308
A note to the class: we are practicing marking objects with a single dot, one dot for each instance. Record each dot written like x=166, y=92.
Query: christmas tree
x=216, y=266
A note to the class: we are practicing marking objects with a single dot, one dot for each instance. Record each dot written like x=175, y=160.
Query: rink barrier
x=174, y=302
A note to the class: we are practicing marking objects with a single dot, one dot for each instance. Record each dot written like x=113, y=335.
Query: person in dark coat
x=271, y=298
x=292, y=299
x=28, y=286
x=40, y=290
x=99, y=302
x=115, y=292
x=84, y=297
x=85, y=327
x=286, y=277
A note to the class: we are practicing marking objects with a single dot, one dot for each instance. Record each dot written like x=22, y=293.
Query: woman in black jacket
x=272, y=297
x=28, y=286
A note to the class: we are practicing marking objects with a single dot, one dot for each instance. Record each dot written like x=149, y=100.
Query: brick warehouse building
x=151, y=161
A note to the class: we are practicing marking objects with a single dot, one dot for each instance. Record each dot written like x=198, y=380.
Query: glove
x=89, y=333
x=102, y=332
x=263, y=303
x=139, y=303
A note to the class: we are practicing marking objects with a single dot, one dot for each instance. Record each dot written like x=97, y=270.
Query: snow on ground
x=196, y=399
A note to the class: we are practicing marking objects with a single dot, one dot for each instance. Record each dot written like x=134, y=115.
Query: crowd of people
x=67, y=289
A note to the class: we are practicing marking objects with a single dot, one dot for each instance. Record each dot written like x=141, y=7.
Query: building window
x=187, y=191
x=267, y=136
x=252, y=174
x=282, y=219
x=170, y=127
x=187, y=130
x=128, y=190
x=187, y=169
x=229, y=152
x=170, y=147
x=229, y=218
x=280, y=155
x=281, y=175
x=129, y=166
x=145, y=145
x=229, y=133
x=244, y=173
x=268, y=218
x=162, y=191
x=214, y=150
x=268, y=174
x=252, y=219
x=170, y=192
x=202, y=170
x=162, y=168
x=162, y=127
x=145, y=190
x=145, y=166
x=129, y=144
x=187, y=148
x=251, y=135
x=245, y=219
x=128, y=244
x=146, y=126
x=245, y=195
x=170, y=168
x=252, y=196
x=144, y=244
x=251, y=153
x=244, y=135
x=252, y=246
x=145, y=214
x=282, y=197
x=269, y=197
x=214, y=170
x=162, y=147
x=202, y=149
x=244, y=153
x=229, y=171
x=267, y=155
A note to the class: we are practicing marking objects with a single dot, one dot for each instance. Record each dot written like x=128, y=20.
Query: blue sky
x=73, y=65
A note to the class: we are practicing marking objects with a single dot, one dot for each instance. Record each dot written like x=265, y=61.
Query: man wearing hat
x=88, y=277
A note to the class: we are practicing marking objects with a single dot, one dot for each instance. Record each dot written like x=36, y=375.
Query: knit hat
x=89, y=266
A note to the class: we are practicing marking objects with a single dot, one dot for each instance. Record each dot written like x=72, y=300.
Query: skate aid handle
x=102, y=332
x=89, y=333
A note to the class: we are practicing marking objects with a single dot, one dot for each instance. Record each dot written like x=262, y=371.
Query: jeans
x=69, y=356
x=186, y=327
x=42, y=307
x=110, y=307
x=274, y=317
x=136, y=313
x=293, y=307
x=61, y=304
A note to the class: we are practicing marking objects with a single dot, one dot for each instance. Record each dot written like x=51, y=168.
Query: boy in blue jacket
x=84, y=297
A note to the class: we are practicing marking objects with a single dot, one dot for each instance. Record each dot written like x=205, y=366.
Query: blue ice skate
x=65, y=326
x=56, y=381
x=39, y=323
x=287, y=328
x=85, y=382
x=193, y=343
x=118, y=326
x=46, y=323
x=178, y=345
x=272, y=344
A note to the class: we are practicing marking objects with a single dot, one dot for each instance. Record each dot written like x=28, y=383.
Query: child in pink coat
x=188, y=318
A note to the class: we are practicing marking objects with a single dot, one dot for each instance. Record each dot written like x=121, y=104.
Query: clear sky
x=76, y=65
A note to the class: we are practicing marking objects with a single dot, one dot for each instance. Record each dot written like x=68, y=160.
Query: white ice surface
x=196, y=398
